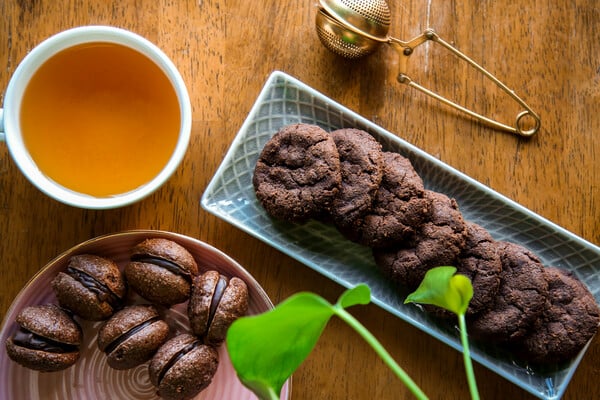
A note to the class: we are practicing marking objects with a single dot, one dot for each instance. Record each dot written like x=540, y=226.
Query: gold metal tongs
x=355, y=28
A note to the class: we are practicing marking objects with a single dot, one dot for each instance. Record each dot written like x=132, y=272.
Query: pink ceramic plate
x=91, y=378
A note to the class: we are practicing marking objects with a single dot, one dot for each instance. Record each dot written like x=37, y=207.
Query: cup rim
x=51, y=46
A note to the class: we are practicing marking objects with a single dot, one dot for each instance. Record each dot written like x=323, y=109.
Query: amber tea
x=100, y=119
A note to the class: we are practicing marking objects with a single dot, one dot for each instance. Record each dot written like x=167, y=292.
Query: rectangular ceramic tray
x=285, y=100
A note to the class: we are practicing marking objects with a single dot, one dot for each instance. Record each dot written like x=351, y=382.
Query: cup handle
x=1, y=124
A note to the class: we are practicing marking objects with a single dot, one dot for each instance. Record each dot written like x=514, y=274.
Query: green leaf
x=444, y=288
x=266, y=349
x=360, y=294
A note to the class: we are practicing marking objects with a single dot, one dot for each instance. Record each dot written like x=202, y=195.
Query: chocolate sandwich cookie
x=438, y=242
x=132, y=336
x=183, y=367
x=161, y=271
x=47, y=340
x=569, y=320
x=92, y=287
x=297, y=174
x=361, y=164
x=399, y=207
x=521, y=298
x=215, y=303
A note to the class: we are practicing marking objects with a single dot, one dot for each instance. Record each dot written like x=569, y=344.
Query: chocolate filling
x=176, y=357
x=162, y=262
x=30, y=340
x=102, y=292
x=127, y=334
x=216, y=299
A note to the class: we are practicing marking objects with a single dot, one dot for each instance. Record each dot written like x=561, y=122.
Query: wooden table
x=549, y=54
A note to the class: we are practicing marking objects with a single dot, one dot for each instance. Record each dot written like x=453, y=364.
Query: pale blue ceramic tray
x=285, y=100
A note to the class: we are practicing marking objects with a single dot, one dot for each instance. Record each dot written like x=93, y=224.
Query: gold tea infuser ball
x=356, y=28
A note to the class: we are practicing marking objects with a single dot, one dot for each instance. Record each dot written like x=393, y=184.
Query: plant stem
x=467, y=358
x=272, y=395
x=381, y=351
x=265, y=393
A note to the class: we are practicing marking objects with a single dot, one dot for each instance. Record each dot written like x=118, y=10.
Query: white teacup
x=96, y=117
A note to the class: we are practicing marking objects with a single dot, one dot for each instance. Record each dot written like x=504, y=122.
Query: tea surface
x=100, y=119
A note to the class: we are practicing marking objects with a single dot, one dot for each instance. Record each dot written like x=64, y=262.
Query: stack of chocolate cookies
x=377, y=199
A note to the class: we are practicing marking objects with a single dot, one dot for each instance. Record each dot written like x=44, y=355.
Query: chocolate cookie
x=481, y=263
x=161, y=271
x=399, y=207
x=361, y=163
x=92, y=287
x=132, y=336
x=521, y=297
x=183, y=367
x=297, y=174
x=48, y=339
x=569, y=320
x=215, y=303
x=438, y=242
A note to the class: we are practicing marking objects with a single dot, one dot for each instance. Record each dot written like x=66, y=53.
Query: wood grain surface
x=225, y=49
